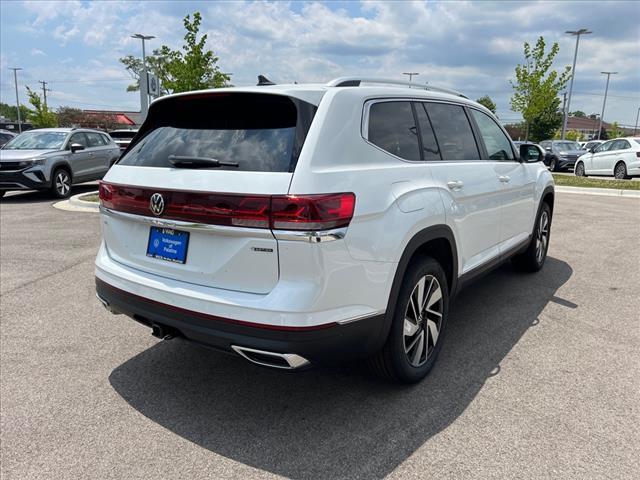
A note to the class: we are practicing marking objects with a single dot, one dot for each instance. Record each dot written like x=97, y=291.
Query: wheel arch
x=437, y=242
x=62, y=164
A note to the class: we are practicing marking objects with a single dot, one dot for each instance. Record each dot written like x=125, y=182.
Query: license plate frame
x=168, y=244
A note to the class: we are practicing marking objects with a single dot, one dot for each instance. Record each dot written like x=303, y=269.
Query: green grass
x=90, y=198
x=573, y=181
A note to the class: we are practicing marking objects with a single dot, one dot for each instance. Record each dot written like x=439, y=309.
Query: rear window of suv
x=259, y=132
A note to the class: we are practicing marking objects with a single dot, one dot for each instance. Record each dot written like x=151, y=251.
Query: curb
x=77, y=201
x=608, y=192
x=76, y=204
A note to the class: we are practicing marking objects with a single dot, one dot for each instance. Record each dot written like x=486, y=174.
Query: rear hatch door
x=190, y=199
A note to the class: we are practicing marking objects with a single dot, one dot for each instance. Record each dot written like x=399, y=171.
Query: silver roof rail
x=356, y=81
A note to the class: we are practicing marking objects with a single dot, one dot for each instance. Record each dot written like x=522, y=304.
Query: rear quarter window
x=259, y=132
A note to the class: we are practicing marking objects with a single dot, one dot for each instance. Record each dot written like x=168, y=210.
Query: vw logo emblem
x=156, y=204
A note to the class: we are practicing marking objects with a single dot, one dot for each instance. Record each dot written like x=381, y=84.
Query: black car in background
x=561, y=154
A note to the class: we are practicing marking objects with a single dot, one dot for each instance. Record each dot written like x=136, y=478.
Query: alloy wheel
x=542, y=237
x=621, y=172
x=63, y=183
x=423, y=320
x=580, y=170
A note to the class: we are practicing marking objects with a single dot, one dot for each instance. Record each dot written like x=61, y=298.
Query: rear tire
x=553, y=165
x=533, y=258
x=418, y=324
x=620, y=171
x=61, y=183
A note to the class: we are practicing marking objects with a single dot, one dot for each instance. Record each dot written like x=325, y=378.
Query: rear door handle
x=504, y=178
x=455, y=185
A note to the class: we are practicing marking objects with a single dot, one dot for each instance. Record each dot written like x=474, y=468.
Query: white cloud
x=37, y=52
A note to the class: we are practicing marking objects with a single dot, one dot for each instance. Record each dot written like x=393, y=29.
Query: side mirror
x=529, y=153
x=591, y=150
x=75, y=147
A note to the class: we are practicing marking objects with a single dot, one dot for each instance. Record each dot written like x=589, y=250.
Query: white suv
x=304, y=224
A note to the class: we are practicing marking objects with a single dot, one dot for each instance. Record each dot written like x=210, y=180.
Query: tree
x=41, y=116
x=578, y=113
x=155, y=65
x=194, y=68
x=11, y=112
x=537, y=86
x=486, y=101
x=544, y=125
x=573, y=135
x=615, y=131
x=515, y=130
x=69, y=117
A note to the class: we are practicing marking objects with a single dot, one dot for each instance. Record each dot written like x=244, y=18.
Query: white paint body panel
x=305, y=284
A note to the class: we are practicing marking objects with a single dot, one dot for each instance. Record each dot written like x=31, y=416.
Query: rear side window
x=95, y=139
x=392, y=127
x=453, y=132
x=106, y=140
x=259, y=132
x=495, y=141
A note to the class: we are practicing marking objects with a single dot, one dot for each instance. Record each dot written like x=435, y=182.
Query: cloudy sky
x=469, y=46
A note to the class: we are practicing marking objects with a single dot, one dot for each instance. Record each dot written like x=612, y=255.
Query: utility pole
x=44, y=91
x=564, y=105
x=606, y=90
x=15, y=80
x=636, y=127
x=576, y=33
x=410, y=75
x=144, y=79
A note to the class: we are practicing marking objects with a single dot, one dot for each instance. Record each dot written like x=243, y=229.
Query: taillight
x=280, y=212
x=312, y=212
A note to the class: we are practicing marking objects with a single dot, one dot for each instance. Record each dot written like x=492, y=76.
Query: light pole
x=15, y=80
x=636, y=127
x=144, y=85
x=576, y=33
x=410, y=75
x=606, y=90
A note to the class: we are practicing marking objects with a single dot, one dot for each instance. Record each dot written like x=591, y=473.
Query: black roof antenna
x=263, y=81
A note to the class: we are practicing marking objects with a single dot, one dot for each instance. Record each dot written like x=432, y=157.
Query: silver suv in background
x=54, y=159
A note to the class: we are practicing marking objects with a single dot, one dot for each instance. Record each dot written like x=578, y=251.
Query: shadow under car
x=342, y=422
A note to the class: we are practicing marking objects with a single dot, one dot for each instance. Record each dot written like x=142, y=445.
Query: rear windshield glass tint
x=258, y=132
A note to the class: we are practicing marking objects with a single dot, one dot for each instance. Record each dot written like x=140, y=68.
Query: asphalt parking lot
x=538, y=377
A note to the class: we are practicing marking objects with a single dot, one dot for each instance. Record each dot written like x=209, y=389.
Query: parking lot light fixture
x=15, y=80
x=606, y=90
x=576, y=33
x=144, y=87
x=636, y=127
x=410, y=75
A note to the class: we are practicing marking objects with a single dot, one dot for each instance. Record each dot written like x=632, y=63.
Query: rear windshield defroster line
x=259, y=132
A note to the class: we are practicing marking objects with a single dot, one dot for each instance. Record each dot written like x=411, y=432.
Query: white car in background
x=619, y=157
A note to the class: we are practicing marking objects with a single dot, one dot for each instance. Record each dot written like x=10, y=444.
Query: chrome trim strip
x=311, y=236
x=360, y=317
x=178, y=224
x=294, y=361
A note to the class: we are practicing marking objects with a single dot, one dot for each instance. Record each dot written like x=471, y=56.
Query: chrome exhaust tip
x=284, y=361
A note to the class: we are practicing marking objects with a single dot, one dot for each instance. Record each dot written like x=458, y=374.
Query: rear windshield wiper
x=198, y=162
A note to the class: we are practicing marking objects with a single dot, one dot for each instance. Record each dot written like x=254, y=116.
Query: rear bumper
x=330, y=343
